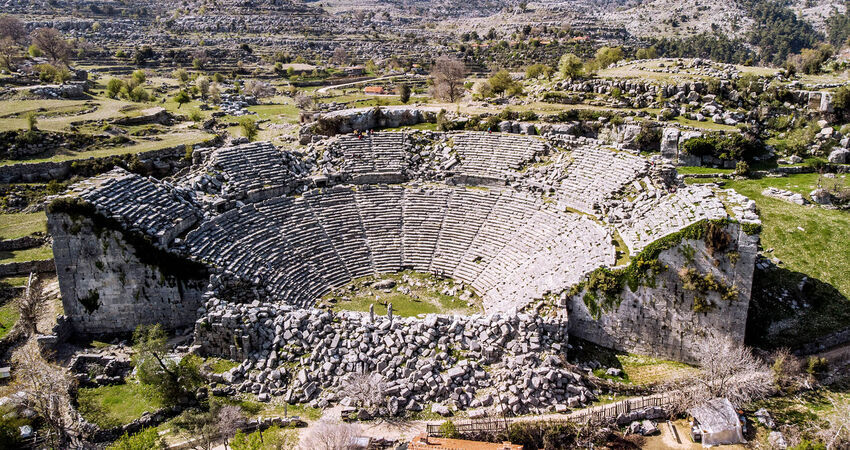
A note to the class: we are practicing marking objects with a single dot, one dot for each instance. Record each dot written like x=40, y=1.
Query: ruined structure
x=608, y=241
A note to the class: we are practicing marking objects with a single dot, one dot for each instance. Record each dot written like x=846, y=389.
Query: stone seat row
x=300, y=248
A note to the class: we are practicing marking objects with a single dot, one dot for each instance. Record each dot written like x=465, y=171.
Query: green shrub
x=114, y=87
x=32, y=121
x=449, y=430
x=195, y=115
x=143, y=440
x=139, y=94
x=249, y=127
x=816, y=365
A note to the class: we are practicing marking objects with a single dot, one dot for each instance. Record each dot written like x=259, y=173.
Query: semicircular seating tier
x=510, y=247
x=511, y=244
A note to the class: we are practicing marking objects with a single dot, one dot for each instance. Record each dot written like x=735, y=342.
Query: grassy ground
x=17, y=225
x=810, y=242
x=219, y=365
x=423, y=299
x=163, y=141
x=637, y=369
x=30, y=254
x=109, y=406
x=14, y=281
x=8, y=316
x=692, y=170
x=707, y=125
x=253, y=408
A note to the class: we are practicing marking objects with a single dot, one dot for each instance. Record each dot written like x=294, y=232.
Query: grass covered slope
x=807, y=295
x=414, y=293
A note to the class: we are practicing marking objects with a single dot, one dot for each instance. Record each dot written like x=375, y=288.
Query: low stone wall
x=661, y=319
x=26, y=267
x=8, y=245
x=46, y=171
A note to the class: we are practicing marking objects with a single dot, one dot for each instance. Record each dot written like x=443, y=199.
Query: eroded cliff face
x=107, y=288
x=701, y=292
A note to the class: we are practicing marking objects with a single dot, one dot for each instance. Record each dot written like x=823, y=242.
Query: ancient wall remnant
x=108, y=288
x=700, y=291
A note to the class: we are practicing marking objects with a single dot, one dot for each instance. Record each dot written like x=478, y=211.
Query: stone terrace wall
x=107, y=289
x=661, y=321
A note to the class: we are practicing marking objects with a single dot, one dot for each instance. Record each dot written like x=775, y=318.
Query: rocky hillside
x=677, y=18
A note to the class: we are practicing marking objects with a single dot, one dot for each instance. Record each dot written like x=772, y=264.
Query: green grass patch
x=707, y=125
x=637, y=369
x=8, y=316
x=220, y=365
x=425, y=296
x=14, y=281
x=694, y=170
x=111, y=406
x=17, y=225
x=277, y=113
x=253, y=408
x=30, y=254
x=163, y=141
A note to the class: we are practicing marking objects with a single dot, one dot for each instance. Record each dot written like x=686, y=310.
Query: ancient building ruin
x=243, y=245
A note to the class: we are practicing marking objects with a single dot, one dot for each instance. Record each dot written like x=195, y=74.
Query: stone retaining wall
x=26, y=267
x=109, y=289
x=21, y=243
x=49, y=170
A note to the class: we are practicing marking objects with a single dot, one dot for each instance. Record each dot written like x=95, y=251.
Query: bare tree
x=367, y=390
x=303, y=101
x=328, y=435
x=448, y=75
x=200, y=426
x=32, y=305
x=729, y=370
x=259, y=89
x=340, y=56
x=51, y=42
x=8, y=51
x=230, y=420
x=45, y=387
x=11, y=27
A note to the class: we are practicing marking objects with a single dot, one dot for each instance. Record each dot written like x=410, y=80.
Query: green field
x=30, y=254
x=8, y=316
x=421, y=299
x=110, y=406
x=17, y=225
x=187, y=137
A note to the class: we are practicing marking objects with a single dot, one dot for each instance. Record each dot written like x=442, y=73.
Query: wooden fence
x=612, y=410
x=491, y=425
x=596, y=413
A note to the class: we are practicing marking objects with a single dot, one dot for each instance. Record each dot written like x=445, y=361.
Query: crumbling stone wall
x=105, y=286
x=667, y=320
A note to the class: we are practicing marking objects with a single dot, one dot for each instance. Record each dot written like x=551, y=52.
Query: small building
x=424, y=442
x=373, y=90
x=716, y=422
